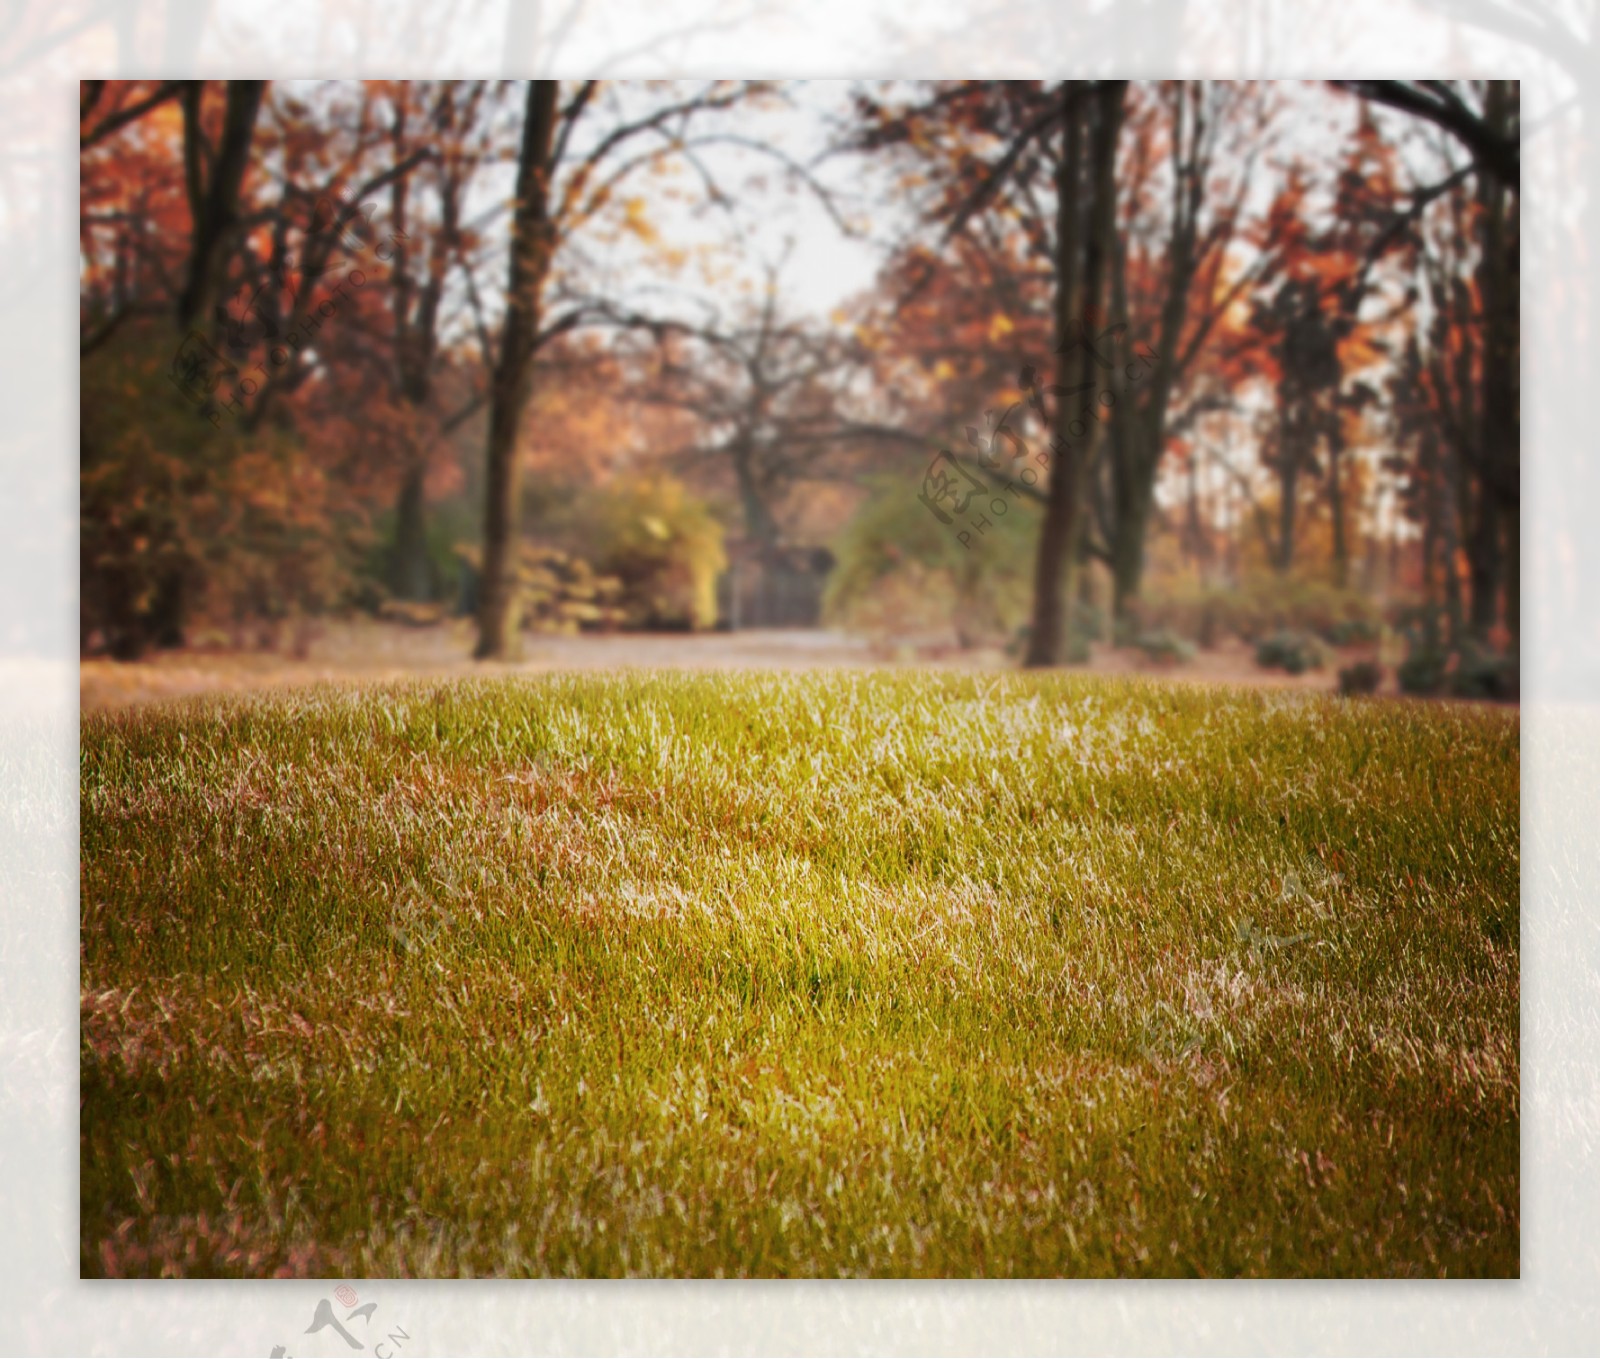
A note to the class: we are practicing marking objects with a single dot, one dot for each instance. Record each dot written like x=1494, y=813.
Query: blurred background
x=1210, y=379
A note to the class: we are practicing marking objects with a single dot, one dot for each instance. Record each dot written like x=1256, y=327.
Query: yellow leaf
x=636, y=222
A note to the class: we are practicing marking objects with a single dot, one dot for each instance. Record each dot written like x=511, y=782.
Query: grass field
x=834, y=973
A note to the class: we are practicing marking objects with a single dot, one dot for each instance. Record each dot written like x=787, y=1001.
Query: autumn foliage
x=295, y=307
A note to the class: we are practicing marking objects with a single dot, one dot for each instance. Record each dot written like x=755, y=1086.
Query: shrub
x=901, y=573
x=1479, y=674
x=1354, y=632
x=1420, y=622
x=1086, y=626
x=183, y=524
x=1465, y=671
x=1261, y=605
x=1363, y=677
x=1295, y=652
x=1423, y=670
x=1165, y=646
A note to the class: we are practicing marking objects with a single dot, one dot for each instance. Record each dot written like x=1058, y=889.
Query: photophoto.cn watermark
x=344, y=1315
x=416, y=917
x=950, y=490
x=200, y=366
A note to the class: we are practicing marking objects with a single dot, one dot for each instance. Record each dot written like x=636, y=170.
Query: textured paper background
x=46, y=47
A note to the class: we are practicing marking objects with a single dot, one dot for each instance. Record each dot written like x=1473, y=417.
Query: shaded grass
x=842, y=973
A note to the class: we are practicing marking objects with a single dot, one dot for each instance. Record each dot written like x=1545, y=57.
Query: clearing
x=368, y=651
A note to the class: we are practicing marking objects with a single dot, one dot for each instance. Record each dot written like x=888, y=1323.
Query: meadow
x=817, y=974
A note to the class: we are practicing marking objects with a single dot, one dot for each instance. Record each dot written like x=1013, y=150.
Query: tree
x=1499, y=277
x=575, y=183
x=451, y=119
x=532, y=244
x=1427, y=485
x=1086, y=220
x=213, y=204
x=1474, y=351
x=212, y=178
x=1307, y=354
x=1175, y=280
x=992, y=147
x=767, y=402
x=214, y=199
x=1493, y=142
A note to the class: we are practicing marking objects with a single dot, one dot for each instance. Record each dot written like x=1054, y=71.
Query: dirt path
x=372, y=652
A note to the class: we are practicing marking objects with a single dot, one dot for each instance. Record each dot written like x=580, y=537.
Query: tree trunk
x=1499, y=286
x=1452, y=521
x=214, y=213
x=1513, y=548
x=416, y=319
x=760, y=528
x=1045, y=638
x=1285, y=558
x=1127, y=549
x=1433, y=511
x=214, y=206
x=1079, y=297
x=411, y=574
x=1288, y=477
x=532, y=243
x=1142, y=435
x=1341, y=547
x=1193, y=531
x=1483, y=564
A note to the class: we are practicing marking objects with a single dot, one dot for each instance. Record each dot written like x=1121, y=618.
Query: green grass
x=755, y=974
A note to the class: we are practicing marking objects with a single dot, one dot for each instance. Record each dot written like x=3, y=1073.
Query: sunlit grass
x=772, y=974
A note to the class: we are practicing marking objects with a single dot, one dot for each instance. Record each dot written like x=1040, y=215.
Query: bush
x=900, y=573
x=1485, y=675
x=1261, y=605
x=411, y=613
x=186, y=525
x=1354, y=632
x=1433, y=667
x=1423, y=670
x=1420, y=623
x=1165, y=646
x=1295, y=652
x=1086, y=626
x=1363, y=677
